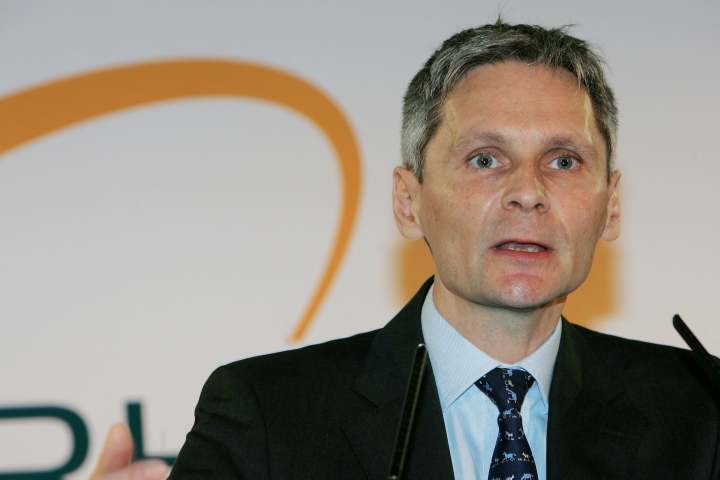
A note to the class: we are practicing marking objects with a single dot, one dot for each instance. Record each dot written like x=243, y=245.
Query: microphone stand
x=708, y=363
x=408, y=413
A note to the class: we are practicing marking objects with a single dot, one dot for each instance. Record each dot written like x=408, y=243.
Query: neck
x=507, y=335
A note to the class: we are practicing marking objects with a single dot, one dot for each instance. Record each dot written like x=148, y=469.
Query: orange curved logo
x=41, y=110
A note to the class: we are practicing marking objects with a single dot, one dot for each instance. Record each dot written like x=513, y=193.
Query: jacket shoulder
x=344, y=355
x=257, y=416
x=299, y=382
x=666, y=369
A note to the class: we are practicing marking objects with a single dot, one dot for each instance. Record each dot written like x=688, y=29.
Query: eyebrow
x=490, y=136
x=551, y=142
x=559, y=141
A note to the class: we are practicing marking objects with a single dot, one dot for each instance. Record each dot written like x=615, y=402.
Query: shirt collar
x=458, y=364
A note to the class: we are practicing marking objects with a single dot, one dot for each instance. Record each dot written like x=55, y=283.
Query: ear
x=612, y=222
x=406, y=203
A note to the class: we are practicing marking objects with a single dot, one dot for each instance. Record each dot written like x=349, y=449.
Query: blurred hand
x=114, y=463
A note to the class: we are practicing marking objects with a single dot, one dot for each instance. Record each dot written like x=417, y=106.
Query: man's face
x=515, y=193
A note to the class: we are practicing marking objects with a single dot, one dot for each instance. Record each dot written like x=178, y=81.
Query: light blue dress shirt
x=470, y=416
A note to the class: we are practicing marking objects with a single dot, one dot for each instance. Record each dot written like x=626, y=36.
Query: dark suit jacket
x=619, y=409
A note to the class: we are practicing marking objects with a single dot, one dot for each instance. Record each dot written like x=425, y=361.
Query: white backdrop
x=144, y=248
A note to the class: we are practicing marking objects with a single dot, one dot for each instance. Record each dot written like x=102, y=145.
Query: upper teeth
x=529, y=248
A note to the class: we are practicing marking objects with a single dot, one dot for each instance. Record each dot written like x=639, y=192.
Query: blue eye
x=563, y=163
x=485, y=160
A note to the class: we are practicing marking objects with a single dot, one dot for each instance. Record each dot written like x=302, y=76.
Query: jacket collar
x=382, y=381
x=593, y=431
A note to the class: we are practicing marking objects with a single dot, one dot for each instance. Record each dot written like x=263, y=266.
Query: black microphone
x=408, y=412
x=708, y=363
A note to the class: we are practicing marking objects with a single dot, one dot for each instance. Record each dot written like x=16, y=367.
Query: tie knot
x=506, y=387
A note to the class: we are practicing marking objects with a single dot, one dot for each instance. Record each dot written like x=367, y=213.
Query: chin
x=522, y=305
x=525, y=298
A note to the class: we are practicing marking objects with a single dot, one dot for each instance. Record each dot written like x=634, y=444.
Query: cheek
x=587, y=219
x=447, y=220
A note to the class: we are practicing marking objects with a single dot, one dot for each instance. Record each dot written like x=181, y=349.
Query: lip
x=520, y=255
x=522, y=241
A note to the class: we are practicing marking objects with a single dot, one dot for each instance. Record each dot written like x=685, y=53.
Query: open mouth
x=522, y=247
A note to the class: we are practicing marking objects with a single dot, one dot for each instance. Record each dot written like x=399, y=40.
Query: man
x=508, y=141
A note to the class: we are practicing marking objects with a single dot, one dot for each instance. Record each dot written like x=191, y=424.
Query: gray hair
x=492, y=44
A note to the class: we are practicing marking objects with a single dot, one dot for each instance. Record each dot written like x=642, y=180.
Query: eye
x=563, y=163
x=484, y=160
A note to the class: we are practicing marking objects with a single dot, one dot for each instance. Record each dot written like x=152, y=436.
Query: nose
x=525, y=190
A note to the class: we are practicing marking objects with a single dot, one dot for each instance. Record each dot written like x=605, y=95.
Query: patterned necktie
x=512, y=458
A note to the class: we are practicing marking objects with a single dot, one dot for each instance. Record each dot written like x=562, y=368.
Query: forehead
x=519, y=103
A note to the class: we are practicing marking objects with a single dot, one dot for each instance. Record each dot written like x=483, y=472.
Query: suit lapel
x=382, y=382
x=592, y=430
